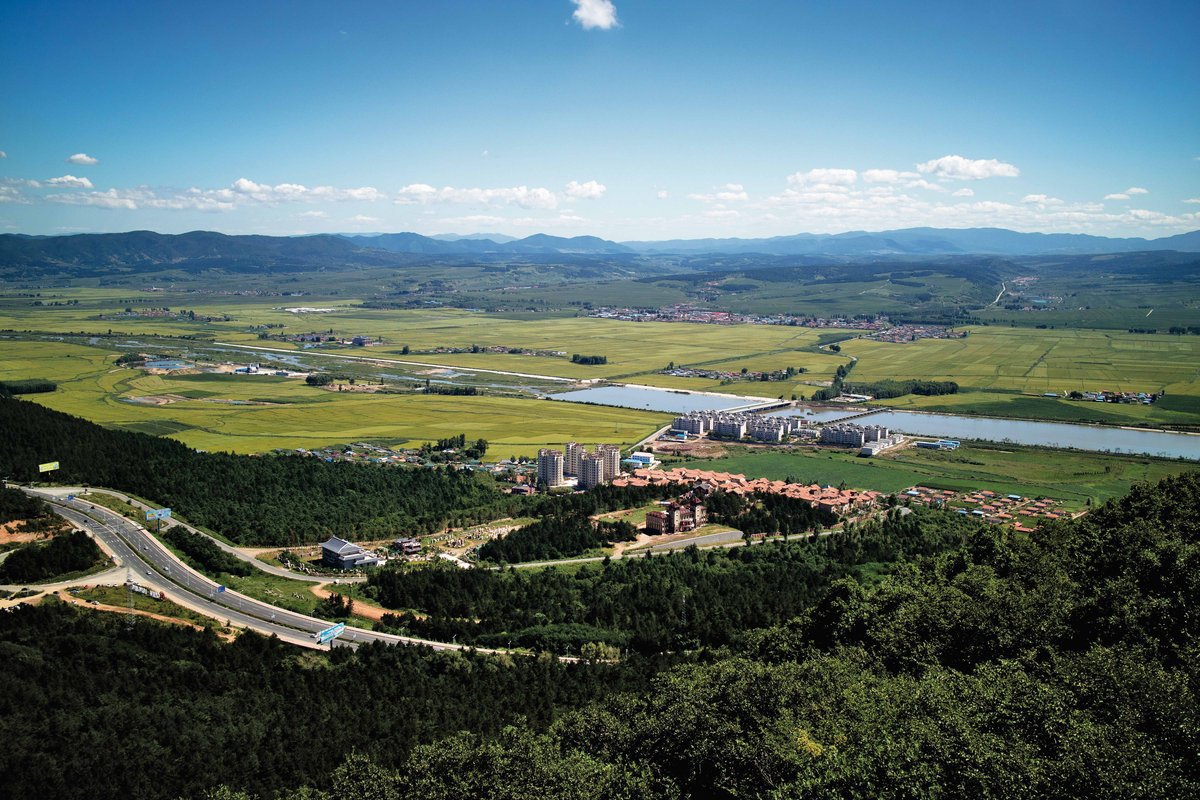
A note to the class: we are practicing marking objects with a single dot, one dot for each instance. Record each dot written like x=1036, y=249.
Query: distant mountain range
x=906, y=241
x=925, y=241
x=539, y=243
x=141, y=251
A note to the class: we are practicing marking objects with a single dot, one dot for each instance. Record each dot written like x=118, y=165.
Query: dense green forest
x=1064, y=663
x=33, y=563
x=30, y=386
x=556, y=536
x=94, y=709
x=203, y=554
x=653, y=604
x=16, y=506
x=278, y=499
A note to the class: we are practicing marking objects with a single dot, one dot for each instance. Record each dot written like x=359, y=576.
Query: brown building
x=676, y=518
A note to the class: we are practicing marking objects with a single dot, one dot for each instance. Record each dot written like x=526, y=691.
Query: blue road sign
x=329, y=634
x=220, y=589
x=70, y=497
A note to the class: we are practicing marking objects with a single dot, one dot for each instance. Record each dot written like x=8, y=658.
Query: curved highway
x=138, y=550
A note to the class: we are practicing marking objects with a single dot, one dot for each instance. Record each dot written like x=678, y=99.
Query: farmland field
x=1174, y=410
x=994, y=365
x=1036, y=361
x=255, y=413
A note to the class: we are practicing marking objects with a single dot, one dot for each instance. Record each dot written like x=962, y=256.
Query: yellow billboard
x=49, y=466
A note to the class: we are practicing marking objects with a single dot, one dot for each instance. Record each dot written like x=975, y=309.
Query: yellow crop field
x=1036, y=361
x=256, y=413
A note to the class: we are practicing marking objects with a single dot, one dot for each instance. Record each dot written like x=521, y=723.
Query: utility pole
x=129, y=592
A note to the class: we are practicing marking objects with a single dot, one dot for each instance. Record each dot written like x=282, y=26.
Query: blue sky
x=626, y=119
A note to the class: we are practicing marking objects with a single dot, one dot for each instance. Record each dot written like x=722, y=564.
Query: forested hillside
x=654, y=604
x=250, y=499
x=1061, y=664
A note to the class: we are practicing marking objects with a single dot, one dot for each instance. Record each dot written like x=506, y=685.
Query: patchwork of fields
x=1003, y=371
x=1036, y=361
x=255, y=413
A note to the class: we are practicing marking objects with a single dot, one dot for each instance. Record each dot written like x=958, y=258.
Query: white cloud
x=726, y=193
x=415, y=193
x=3, y=154
x=966, y=169
x=591, y=14
x=314, y=214
x=887, y=176
x=921, y=183
x=523, y=196
x=11, y=194
x=70, y=182
x=112, y=198
x=823, y=177
x=244, y=189
x=362, y=219
x=1192, y=200
x=964, y=192
x=663, y=194
x=826, y=208
x=586, y=191
x=1125, y=195
x=83, y=159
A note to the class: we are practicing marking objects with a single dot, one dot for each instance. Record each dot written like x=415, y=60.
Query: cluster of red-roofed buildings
x=824, y=498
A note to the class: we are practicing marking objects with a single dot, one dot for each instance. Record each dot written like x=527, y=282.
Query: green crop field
x=1069, y=476
x=1174, y=410
x=256, y=413
x=1002, y=370
x=631, y=348
x=1036, y=361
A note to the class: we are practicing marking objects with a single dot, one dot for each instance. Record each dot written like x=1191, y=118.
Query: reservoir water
x=651, y=399
x=821, y=415
x=1096, y=438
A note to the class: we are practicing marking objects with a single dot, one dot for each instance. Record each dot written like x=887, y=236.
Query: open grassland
x=1036, y=361
x=1069, y=476
x=256, y=413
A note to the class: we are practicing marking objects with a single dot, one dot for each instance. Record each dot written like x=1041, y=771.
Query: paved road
x=233, y=551
x=136, y=548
